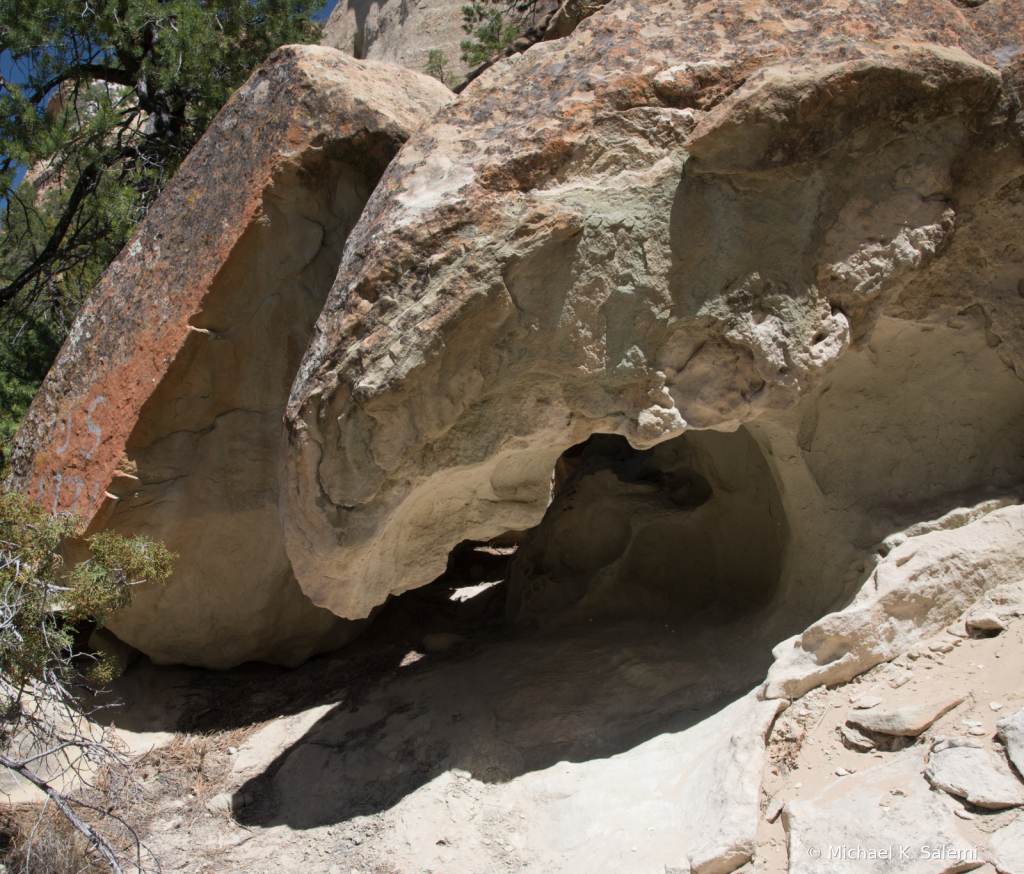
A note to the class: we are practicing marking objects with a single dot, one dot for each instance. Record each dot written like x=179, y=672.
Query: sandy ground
x=391, y=757
x=805, y=749
x=424, y=747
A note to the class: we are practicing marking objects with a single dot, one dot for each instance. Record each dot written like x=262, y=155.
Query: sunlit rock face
x=772, y=251
x=404, y=33
x=162, y=415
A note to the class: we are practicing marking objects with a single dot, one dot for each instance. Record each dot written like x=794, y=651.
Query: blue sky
x=9, y=71
x=323, y=13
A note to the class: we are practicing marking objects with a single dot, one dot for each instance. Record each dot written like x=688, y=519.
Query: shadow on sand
x=441, y=683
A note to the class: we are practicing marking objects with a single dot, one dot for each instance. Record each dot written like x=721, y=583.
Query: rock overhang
x=679, y=219
x=676, y=218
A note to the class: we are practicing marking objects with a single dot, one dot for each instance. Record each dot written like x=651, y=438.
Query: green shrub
x=491, y=29
x=437, y=66
x=41, y=603
x=46, y=735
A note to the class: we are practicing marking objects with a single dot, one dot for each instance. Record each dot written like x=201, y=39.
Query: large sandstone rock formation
x=770, y=255
x=162, y=415
x=720, y=303
x=775, y=248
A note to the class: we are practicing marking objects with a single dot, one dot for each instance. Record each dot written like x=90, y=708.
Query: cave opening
x=693, y=526
x=689, y=531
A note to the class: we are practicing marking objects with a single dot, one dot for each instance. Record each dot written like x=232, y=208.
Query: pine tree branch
x=96, y=72
x=82, y=188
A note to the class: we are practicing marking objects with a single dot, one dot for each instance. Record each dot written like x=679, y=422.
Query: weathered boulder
x=802, y=222
x=162, y=414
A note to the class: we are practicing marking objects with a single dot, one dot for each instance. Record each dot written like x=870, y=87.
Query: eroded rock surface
x=162, y=415
x=798, y=224
x=915, y=590
x=696, y=522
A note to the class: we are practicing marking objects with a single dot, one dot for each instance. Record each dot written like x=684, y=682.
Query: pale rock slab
x=917, y=589
x=1011, y=731
x=985, y=620
x=706, y=781
x=907, y=720
x=726, y=789
x=973, y=774
x=1006, y=848
x=858, y=815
